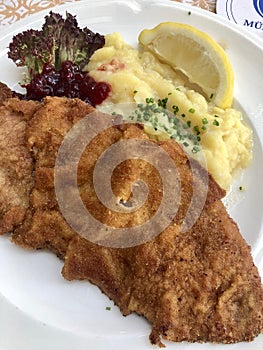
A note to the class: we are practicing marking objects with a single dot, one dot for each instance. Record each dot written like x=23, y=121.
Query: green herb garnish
x=196, y=129
x=163, y=102
x=216, y=122
x=156, y=115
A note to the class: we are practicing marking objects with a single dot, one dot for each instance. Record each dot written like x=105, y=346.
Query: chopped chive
x=203, y=127
x=175, y=129
x=196, y=129
x=176, y=121
x=163, y=102
x=191, y=110
x=191, y=137
x=108, y=308
x=176, y=109
x=195, y=149
x=135, y=91
x=204, y=121
x=216, y=122
x=149, y=100
x=189, y=13
x=169, y=93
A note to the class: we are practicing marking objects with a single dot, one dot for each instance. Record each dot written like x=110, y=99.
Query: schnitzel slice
x=15, y=161
x=199, y=285
x=44, y=227
x=194, y=285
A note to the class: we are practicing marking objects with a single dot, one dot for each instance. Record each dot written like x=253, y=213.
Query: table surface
x=13, y=10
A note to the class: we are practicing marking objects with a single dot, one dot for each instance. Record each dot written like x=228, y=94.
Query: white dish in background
x=248, y=14
x=38, y=308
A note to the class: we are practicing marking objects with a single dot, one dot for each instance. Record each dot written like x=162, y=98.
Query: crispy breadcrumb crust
x=16, y=164
x=197, y=286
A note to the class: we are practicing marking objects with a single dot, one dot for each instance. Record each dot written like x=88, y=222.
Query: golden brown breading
x=15, y=162
x=44, y=227
x=198, y=285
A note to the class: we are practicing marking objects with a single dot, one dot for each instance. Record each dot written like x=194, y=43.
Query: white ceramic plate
x=38, y=308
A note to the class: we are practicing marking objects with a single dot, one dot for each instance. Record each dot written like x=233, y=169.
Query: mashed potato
x=134, y=76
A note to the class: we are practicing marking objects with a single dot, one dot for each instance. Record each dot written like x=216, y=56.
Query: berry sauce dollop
x=69, y=81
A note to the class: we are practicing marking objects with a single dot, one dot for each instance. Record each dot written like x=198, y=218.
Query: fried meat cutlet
x=44, y=226
x=198, y=284
x=15, y=162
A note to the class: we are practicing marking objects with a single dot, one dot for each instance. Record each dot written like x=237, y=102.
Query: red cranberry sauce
x=69, y=81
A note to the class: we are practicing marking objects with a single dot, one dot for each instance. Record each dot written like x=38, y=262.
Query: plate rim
x=39, y=15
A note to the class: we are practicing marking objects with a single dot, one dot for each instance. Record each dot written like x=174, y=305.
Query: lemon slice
x=196, y=55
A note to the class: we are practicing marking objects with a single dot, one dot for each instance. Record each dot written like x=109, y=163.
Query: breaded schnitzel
x=194, y=285
x=199, y=285
x=15, y=160
x=44, y=226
